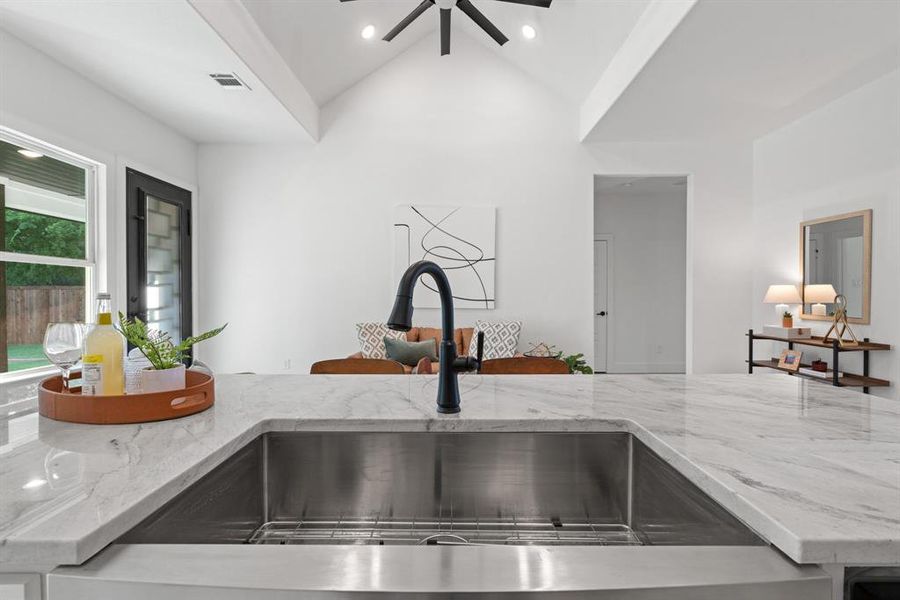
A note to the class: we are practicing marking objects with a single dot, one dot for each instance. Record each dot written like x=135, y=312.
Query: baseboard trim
x=636, y=368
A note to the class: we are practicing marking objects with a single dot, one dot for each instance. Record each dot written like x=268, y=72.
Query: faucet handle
x=480, y=350
x=471, y=363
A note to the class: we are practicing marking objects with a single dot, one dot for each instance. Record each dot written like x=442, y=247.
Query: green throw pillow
x=409, y=353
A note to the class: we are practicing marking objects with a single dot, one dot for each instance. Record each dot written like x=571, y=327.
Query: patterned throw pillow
x=501, y=338
x=371, y=338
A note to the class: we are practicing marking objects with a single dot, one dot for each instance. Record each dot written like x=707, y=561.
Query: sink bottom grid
x=385, y=531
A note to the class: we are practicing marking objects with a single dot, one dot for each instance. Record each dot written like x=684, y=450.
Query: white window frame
x=93, y=227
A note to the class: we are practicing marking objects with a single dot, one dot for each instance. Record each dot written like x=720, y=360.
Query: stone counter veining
x=814, y=469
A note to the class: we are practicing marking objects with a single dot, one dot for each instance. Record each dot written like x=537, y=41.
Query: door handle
x=602, y=313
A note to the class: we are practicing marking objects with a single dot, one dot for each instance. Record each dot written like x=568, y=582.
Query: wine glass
x=62, y=346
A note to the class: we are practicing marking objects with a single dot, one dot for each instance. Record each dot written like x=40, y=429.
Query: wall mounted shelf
x=865, y=381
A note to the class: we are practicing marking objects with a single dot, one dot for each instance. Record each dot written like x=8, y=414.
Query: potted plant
x=576, y=364
x=166, y=359
x=787, y=319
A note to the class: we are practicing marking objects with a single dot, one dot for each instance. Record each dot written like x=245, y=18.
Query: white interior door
x=601, y=303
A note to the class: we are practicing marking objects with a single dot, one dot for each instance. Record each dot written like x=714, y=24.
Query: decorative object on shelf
x=781, y=295
x=55, y=402
x=577, y=364
x=167, y=370
x=787, y=320
x=542, y=350
x=795, y=333
x=819, y=365
x=840, y=327
x=818, y=374
x=459, y=239
x=790, y=359
x=835, y=376
x=837, y=251
x=819, y=294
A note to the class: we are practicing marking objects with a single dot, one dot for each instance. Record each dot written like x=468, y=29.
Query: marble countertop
x=814, y=469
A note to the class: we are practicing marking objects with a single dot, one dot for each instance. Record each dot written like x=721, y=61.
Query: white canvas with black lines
x=461, y=239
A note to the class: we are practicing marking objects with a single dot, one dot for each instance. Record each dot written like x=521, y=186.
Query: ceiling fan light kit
x=469, y=9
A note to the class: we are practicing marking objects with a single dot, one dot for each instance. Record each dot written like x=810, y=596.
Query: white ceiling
x=738, y=69
x=156, y=55
x=320, y=39
x=731, y=69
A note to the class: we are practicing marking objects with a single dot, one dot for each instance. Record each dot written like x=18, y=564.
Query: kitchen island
x=814, y=470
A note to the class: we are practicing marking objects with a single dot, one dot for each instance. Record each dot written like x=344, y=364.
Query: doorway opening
x=159, y=254
x=640, y=274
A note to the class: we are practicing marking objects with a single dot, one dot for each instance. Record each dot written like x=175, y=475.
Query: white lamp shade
x=819, y=292
x=783, y=294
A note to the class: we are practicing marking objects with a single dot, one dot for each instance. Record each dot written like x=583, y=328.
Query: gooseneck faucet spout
x=401, y=320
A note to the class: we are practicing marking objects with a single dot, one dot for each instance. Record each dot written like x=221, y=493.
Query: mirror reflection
x=836, y=255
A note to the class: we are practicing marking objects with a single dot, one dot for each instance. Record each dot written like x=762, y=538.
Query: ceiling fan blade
x=482, y=21
x=445, y=31
x=538, y=3
x=425, y=5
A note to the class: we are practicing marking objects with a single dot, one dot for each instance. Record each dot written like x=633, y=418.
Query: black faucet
x=450, y=364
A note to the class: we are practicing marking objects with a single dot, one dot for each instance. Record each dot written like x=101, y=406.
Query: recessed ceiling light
x=34, y=483
x=29, y=153
x=528, y=32
x=368, y=32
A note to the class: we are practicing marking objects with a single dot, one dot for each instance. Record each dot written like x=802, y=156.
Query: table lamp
x=781, y=296
x=819, y=294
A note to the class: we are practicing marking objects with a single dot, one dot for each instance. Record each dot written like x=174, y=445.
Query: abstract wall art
x=461, y=239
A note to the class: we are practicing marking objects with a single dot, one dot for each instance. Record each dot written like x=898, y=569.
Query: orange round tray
x=55, y=403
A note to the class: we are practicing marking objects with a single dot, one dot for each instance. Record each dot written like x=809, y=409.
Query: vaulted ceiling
x=630, y=70
x=738, y=69
x=157, y=56
x=320, y=39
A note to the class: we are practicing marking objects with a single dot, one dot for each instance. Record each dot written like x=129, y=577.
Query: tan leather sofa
x=462, y=336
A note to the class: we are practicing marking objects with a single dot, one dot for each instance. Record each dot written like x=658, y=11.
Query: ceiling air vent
x=229, y=81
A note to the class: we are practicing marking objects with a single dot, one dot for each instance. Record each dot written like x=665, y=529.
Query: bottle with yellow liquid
x=103, y=371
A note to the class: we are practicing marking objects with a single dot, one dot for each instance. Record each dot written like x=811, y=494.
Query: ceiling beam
x=654, y=27
x=237, y=28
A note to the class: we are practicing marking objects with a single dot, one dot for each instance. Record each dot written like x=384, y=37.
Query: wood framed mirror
x=837, y=251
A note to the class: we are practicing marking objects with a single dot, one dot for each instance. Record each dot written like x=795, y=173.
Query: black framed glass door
x=159, y=254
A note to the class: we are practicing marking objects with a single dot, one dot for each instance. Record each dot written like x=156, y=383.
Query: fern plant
x=576, y=363
x=157, y=346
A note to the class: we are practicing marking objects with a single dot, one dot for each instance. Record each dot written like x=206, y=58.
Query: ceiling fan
x=468, y=8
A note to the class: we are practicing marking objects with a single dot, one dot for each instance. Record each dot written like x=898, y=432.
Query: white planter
x=162, y=381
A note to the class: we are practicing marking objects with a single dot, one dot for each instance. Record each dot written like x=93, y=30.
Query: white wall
x=297, y=239
x=647, y=311
x=719, y=257
x=303, y=233
x=842, y=157
x=46, y=100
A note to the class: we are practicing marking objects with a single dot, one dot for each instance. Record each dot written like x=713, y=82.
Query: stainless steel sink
x=444, y=488
x=333, y=516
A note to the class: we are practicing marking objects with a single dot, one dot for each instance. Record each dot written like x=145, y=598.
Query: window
x=47, y=250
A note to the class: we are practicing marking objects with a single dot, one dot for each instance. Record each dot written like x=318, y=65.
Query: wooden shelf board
x=817, y=342
x=848, y=380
